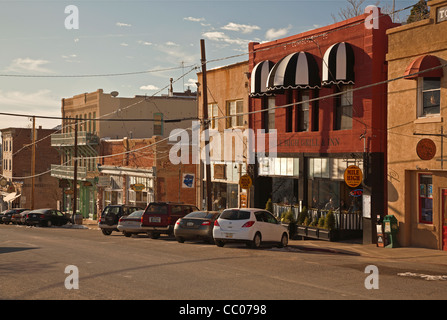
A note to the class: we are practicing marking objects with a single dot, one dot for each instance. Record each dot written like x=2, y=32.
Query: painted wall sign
x=426, y=149
x=353, y=176
x=442, y=14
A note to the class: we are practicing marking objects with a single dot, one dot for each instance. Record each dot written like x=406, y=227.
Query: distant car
x=160, y=217
x=131, y=224
x=23, y=216
x=7, y=216
x=46, y=218
x=108, y=221
x=196, y=225
x=16, y=218
x=250, y=225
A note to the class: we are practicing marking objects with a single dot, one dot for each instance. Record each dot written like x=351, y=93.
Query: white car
x=250, y=225
x=131, y=224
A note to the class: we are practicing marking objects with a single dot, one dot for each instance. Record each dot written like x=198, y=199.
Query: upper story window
x=268, y=116
x=235, y=110
x=343, y=109
x=429, y=96
x=212, y=115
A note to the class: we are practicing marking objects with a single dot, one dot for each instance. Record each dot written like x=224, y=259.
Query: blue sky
x=133, y=36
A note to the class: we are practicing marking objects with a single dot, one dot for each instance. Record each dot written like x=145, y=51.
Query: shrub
x=329, y=222
x=302, y=216
x=321, y=222
x=269, y=205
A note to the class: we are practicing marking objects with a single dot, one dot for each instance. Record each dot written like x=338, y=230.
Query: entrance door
x=444, y=219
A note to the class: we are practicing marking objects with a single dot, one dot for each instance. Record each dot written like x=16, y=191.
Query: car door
x=262, y=225
x=275, y=228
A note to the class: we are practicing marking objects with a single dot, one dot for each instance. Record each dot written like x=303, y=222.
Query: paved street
x=33, y=262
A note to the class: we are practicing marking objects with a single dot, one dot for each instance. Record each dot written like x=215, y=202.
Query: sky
x=158, y=40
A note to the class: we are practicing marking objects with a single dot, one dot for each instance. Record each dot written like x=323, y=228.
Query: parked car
x=196, y=225
x=23, y=216
x=160, y=217
x=16, y=218
x=46, y=218
x=108, y=221
x=250, y=225
x=7, y=216
x=131, y=224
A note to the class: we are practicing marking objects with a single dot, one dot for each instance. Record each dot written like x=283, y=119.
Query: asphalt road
x=33, y=264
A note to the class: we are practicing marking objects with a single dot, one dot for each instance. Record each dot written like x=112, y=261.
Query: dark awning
x=338, y=65
x=295, y=71
x=259, y=76
x=422, y=63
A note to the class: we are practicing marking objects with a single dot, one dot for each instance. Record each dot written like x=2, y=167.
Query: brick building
x=17, y=171
x=309, y=86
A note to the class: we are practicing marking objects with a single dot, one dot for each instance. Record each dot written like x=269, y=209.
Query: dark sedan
x=196, y=225
x=46, y=218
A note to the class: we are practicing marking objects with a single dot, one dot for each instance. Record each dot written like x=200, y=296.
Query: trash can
x=390, y=229
x=78, y=219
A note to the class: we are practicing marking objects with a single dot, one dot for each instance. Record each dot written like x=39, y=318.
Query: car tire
x=154, y=235
x=284, y=241
x=180, y=239
x=256, y=242
x=127, y=234
x=106, y=232
x=219, y=243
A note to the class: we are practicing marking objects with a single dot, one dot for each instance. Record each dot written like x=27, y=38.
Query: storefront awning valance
x=259, y=77
x=338, y=65
x=422, y=63
x=295, y=71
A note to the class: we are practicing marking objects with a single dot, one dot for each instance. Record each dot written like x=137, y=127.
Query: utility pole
x=75, y=172
x=33, y=162
x=205, y=127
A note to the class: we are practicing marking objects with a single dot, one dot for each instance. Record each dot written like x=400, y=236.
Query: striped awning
x=295, y=71
x=338, y=65
x=258, y=78
x=422, y=63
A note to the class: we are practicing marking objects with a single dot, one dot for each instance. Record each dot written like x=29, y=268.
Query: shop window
x=343, y=109
x=425, y=198
x=429, y=96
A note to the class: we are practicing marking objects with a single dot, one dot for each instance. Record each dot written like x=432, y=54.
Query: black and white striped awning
x=295, y=71
x=258, y=78
x=338, y=65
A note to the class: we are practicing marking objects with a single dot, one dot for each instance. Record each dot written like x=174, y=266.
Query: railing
x=67, y=139
x=343, y=220
x=67, y=172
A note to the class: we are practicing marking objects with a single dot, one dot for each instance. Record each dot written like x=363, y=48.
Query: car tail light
x=206, y=223
x=216, y=224
x=42, y=216
x=248, y=224
x=178, y=221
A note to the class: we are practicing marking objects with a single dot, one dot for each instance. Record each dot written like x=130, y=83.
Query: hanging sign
x=245, y=181
x=353, y=176
x=426, y=149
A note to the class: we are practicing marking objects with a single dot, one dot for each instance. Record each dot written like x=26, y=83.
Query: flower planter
x=317, y=233
x=312, y=232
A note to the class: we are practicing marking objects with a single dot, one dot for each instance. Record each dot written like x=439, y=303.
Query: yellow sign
x=353, y=176
x=245, y=181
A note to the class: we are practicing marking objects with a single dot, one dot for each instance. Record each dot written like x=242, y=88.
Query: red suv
x=160, y=217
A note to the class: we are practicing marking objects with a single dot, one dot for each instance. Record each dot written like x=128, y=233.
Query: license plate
x=228, y=235
x=190, y=224
x=155, y=219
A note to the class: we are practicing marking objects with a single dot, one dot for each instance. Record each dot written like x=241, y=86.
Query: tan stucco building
x=417, y=95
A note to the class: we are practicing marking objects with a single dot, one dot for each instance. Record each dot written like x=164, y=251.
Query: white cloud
x=240, y=27
x=222, y=37
x=144, y=43
x=123, y=44
x=194, y=19
x=172, y=44
x=122, y=24
x=277, y=33
x=149, y=87
x=18, y=99
x=28, y=65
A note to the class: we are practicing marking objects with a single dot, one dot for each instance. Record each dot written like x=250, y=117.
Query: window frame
x=420, y=97
x=235, y=113
x=340, y=108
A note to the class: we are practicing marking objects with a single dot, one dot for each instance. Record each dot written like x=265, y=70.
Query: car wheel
x=127, y=234
x=219, y=243
x=256, y=242
x=106, y=232
x=154, y=235
x=284, y=241
x=180, y=239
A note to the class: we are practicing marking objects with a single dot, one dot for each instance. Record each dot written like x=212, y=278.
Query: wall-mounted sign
x=245, y=181
x=188, y=180
x=356, y=193
x=442, y=14
x=426, y=149
x=137, y=187
x=353, y=176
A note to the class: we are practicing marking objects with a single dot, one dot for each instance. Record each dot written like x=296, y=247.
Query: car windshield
x=136, y=214
x=201, y=214
x=235, y=215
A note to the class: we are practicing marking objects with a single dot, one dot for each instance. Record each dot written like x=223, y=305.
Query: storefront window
x=425, y=198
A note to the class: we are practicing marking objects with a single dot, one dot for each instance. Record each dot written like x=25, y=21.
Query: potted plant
x=302, y=222
x=289, y=219
x=328, y=230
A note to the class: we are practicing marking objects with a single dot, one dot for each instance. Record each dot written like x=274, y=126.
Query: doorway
x=444, y=219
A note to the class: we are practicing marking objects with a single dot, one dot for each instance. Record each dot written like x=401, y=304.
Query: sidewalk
x=354, y=247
